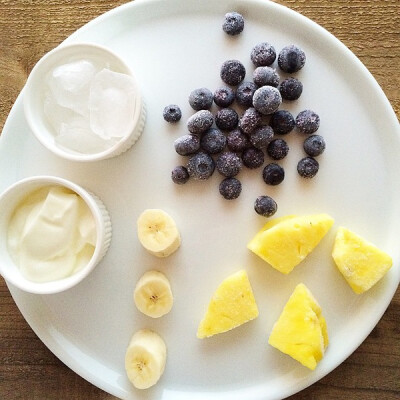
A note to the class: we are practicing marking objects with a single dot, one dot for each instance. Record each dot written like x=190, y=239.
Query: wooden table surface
x=29, y=28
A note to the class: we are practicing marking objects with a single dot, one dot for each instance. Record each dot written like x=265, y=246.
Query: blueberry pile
x=248, y=127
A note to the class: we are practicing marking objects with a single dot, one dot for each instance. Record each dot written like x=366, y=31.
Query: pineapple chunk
x=232, y=305
x=286, y=241
x=360, y=262
x=301, y=330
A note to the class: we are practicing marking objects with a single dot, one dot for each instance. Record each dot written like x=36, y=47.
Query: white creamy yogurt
x=51, y=234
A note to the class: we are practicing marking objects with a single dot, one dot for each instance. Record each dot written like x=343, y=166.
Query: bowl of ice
x=83, y=103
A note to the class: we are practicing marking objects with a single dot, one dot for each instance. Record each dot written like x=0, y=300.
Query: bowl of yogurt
x=53, y=234
x=83, y=103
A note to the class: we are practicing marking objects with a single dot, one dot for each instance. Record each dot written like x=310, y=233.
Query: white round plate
x=174, y=47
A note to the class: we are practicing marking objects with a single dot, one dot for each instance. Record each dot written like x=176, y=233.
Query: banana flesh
x=158, y=232
x=145, y=358
x=153, y=295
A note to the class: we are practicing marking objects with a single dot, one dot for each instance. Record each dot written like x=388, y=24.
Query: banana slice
x=153, y=295
x=158, y=232
x=145, y=358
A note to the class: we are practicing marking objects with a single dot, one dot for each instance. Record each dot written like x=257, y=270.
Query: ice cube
x=55, y=113
x=70, y=85
x=76, y=135
x=112, y=104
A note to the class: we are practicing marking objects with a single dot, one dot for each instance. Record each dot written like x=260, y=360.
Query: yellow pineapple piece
x=232, y=305
x=285, y=242
x=360, y=262
x=301, y=330
x=324, y=330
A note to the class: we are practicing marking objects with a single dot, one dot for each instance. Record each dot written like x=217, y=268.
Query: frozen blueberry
x=250, y=120
x=213, y=141
x=266, y=76
x=187, y=144
x=291, y=59
x=232, y=72
x=236, y=140
x=282, y=122
x=201, y=99
x=224, y=96
x=265, y=206
x=172, y=113
x=200, y=122
x=307, y=167
x=267, y=99
x=245, y=92
x=200, y=166
x=291, y=89
x=230, y=188
x=278, y=149
x=273, y=174
x=228, y=164
x=233, y=23
x=307, y=121
x=180, y=175
x=261, y=137
x=263, y=54
x=314, y=145
x=226, y=119
x=253, y=158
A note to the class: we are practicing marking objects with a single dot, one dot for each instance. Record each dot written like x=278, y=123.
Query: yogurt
x=51, y=234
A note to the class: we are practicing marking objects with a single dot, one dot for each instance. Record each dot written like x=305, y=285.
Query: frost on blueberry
x=314, y=145
x=232, y=72
x=261, y=137
x=187, y=144
x=307, y=167
x=245, y=92
x=213, y=141
x=253, y=158
x=266, y=76
x=267, y=100
x=226, y=119
x=250, y=120
x=233, y=23
x=200, y=166
x=200, y=121
x=230, y=188
x=291, y=89
x=263, y=54
x=277, y=149
x=237, y=141
x=180, y=175
x=224, y=96
x=291, y=59
x=228, y=164
x=172, y=113
x=201, y=99
x=307, y=122
x=265, y=206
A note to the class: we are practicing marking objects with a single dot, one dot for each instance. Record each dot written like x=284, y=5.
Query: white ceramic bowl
x=34, y=94
x=9, y=200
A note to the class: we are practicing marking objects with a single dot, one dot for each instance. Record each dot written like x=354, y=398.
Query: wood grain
x=28, y=29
